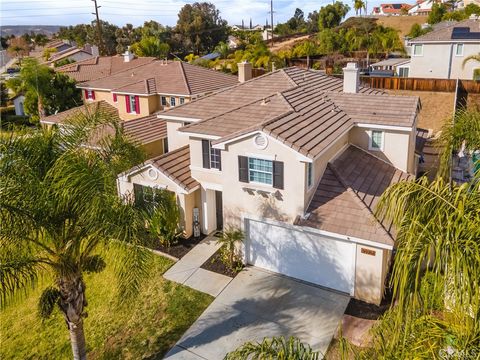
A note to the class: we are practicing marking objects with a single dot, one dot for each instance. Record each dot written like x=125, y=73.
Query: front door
x=219, y=209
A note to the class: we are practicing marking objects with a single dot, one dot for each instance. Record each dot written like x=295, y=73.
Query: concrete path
x=258, y=304
x=187, y=270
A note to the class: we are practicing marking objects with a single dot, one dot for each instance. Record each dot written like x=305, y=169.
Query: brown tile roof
x=346, y=197
x=99, y=67
x=176, y=166
x=466, y=30
x=174, y=77
x=142, y=130
x=66, y=53
x=305, y=110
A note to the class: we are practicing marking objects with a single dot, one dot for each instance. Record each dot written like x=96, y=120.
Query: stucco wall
x=437, y=59
x=100, y=95
x=145, y=108
x=154, y=148
x=176, y=139
x=396, y=146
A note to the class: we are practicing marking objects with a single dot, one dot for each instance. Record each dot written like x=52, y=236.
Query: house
x=101, y=66
x=391, y=67
x=441, y=53
x=147, y=132
x=59, y=44
x=391, y=9
x=18, y=102
x=297, y=160
x=422, y=7
x=157, y=85
x=74, y=54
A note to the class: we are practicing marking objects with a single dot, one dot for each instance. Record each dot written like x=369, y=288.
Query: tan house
x=297, y=160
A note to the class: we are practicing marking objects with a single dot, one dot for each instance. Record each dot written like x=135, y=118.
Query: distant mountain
x=19, y=30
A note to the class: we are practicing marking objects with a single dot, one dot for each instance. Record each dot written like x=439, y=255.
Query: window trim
x=214, y=152
x=456, y=49
x=370, y=140
x=172, y=101
x=133, y=109
x=260, y=171
x=90, y=95
x=413, y=50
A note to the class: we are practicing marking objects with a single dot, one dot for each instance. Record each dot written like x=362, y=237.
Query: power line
x=17, y=16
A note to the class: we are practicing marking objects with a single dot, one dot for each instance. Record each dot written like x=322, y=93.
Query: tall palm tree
x=59, y=209
x=358, y=5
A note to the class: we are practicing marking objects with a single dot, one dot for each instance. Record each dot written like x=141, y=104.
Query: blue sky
x=69, y=12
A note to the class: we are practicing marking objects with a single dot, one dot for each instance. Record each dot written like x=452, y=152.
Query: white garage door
x=295, y=252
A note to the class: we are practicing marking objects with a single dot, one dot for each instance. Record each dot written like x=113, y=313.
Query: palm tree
x=229, y=240
x=223, y=49
x=59, y=210
x=276, y=348
x=358, y=5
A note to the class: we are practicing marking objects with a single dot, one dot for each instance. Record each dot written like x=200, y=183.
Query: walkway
x=187, y=270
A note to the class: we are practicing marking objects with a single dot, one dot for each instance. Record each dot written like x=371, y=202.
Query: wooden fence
x=418, y=84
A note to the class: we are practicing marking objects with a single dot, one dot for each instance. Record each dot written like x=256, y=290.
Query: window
x=90, y=94
x=146, y=197
x=260, y=171
x=309, y=175
x=211, y=158
x=376, y=140
x=164, y=101
x=133, y=104
x=417, y=50
x=182, y=101
x=215, y=158
x=172, y=101
x=459, y=50
x=403, y=72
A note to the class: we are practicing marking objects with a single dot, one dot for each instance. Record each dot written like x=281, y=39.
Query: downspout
x=450, y=59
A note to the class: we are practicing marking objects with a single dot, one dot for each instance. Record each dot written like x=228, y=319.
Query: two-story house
x=297, y=160
x=441, y=53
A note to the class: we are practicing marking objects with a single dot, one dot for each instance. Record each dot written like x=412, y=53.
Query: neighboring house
x=60, y=45
x=74, y=54
x=102, y=66
x=147, y=132
x=155, y=86
x=18, y=102
x=297, y=160
x=391, y=9
x=422, y=7
x=233, y=42
x=391, y=67
x=247, y=28
x=441, y=53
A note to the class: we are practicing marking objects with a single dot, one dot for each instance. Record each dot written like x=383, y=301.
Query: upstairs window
x=132, y=104
x=417, y=50
x=459, y=50
x=182, y=101
x=164, y=101
x=172, y=101
x=260, y=171
x=376, y=140
x=309, y=175
x=212, y=158
x=89, y=94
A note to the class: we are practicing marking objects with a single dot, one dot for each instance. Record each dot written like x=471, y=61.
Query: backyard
x=163, y=312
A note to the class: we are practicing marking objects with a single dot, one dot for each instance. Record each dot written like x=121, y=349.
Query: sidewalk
x=187, y=270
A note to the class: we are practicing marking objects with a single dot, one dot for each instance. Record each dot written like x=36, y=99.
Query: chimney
x=351, y=78
x=244, y=71
x=128, y=55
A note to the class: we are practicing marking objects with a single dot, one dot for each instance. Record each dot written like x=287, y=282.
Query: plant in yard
x=229, y=240
x=59, y=210
x=436, y=274
x=277, y=348
x=165, y=218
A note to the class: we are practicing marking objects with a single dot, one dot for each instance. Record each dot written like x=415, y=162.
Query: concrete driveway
x=258, y=304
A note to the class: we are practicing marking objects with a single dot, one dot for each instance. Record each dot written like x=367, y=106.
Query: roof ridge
x=184, y=76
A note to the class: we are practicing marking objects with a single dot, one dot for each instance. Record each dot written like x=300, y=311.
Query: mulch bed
x=180, y=249
x=215, y=264
x=368, y=311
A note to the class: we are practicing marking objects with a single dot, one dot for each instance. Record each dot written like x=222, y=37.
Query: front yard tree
x=59, y=211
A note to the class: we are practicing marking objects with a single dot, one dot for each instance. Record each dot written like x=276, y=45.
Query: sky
x=120, y=12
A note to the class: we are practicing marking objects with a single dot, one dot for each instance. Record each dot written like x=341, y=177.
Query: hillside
x=19, y=30
x=402, y=23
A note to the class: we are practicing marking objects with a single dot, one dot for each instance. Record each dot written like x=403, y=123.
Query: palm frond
x=47, y=302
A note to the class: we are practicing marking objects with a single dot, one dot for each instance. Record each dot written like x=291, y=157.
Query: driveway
x=258, y=304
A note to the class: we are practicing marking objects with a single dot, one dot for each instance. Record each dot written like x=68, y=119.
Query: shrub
x=229, y=240
x=165, y=218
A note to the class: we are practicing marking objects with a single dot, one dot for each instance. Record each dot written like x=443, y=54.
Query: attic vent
x=152, y=174
x=260, y=141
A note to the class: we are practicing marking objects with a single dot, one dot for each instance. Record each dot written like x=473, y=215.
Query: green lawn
x=162, y=313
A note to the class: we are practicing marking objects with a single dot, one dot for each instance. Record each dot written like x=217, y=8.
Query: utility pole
x=99, y=28
x=271, y=19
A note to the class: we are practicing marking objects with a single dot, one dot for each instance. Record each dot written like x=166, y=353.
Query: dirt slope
x=402, y=23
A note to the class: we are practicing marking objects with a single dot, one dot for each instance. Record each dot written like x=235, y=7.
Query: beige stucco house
x=297, y=160
x=441, y=53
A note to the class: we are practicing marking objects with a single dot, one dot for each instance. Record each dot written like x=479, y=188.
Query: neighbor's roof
x=161, y=77
x=100, y=66
x=176, y=166
x=466, y=30
x=391, y=62
x=66, y=53
x=303, y=109
x=348, y=193
x=142, y=130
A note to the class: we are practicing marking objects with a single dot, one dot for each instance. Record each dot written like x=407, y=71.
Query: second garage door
x=296, y=252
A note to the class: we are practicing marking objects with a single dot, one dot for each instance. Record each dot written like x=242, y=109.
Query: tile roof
x=173, y=77
x=142, y=130
x=305, y=110
x=348, y=193
x=176, y=166
x=466, y=30
x=66, y=53
x=100, y=66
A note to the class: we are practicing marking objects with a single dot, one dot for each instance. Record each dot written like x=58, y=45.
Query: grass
x=146, y=330
x=402, y=23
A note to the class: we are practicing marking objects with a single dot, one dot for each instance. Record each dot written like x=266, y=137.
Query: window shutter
x=206, y=154
x=137, y=104
x=243, y=169
x=93, y=95
x=114, y=97
x=278, y=175
x=86, y=94
x=127, y=101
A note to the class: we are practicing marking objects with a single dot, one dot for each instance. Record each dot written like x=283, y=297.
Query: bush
x=165, y=218
x=229, y=240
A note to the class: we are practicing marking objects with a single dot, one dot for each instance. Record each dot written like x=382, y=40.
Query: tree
x=48, y=52
x=164, y=215
x=275, y=348
x=331, y=15
x=358, y=5
x=307, y=48
x=297, y=21
x=125, y=37
x=59, y=210
x=437, y=13
x=3, y=94
x=312, y=22
x=18, y=47
x=41, y=39
x=223, y=49
x=229, y=240
x=151, y=46
x=416, y=31
x=200, y=27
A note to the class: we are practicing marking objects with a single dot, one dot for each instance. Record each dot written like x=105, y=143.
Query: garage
x=296, y=252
